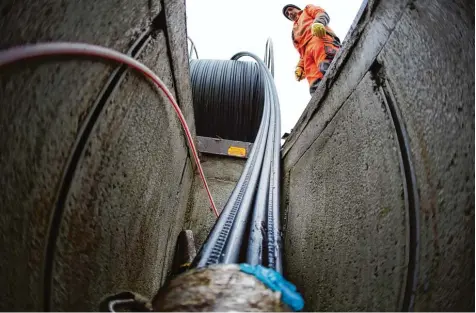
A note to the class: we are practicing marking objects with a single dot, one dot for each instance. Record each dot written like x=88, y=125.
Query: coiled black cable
x=228, y=98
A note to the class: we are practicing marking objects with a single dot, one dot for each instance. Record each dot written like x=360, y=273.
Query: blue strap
x=276, y=282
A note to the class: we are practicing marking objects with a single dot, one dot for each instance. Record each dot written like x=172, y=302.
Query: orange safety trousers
x=317, y=57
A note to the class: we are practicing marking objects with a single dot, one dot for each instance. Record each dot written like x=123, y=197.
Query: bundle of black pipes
x=248, y=229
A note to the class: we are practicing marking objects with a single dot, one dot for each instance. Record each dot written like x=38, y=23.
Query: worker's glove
x=318, y=30
x=299, y=73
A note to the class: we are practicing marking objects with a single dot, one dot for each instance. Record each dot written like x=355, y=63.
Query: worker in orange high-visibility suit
x=314, y=40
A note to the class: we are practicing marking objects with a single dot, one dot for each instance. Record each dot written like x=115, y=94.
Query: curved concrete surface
x=379, y=172
x=121, y=213
x=378, y=195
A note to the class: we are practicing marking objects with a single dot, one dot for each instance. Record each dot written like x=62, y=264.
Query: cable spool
x=228, y=98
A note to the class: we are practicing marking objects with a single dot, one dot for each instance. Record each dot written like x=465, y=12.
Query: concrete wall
x=222, y=174
x=379, y=170
x=90, y=211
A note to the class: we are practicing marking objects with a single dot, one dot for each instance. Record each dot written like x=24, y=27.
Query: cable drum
x=228, y=98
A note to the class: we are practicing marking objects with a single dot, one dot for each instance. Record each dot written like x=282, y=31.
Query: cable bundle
x=248, y=228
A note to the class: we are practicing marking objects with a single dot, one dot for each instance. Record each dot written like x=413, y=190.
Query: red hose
x=63, y=48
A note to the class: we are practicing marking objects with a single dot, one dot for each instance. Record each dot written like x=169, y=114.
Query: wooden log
x=217, y=288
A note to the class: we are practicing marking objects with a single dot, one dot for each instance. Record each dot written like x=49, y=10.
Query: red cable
x=63, y=48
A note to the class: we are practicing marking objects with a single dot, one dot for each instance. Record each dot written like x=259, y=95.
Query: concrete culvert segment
x=377, y=202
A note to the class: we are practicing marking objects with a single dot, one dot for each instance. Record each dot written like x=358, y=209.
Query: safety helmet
x=287, y=6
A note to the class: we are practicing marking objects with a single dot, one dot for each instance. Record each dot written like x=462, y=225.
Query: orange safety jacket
x=323, y=49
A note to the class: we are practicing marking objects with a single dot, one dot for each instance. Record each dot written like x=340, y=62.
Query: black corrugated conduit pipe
x=271, y=240
x=213, y=249
x=248, y=229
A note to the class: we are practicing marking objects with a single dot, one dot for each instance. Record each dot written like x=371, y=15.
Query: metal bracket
x=239, y=149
